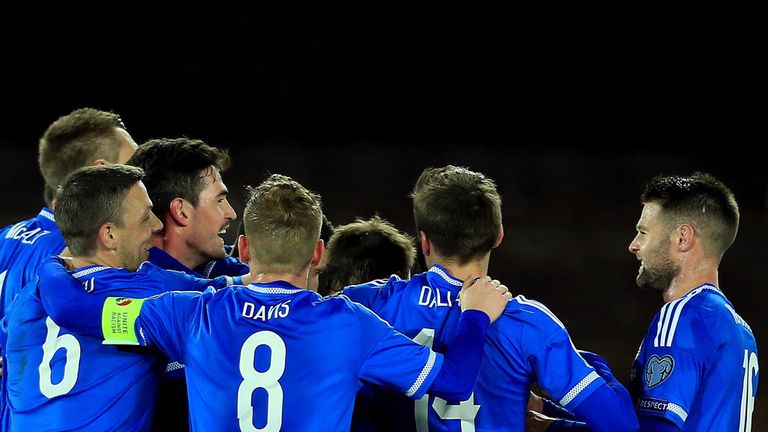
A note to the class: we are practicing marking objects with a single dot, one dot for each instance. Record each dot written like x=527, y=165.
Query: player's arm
x=162, y=321
x=398, y=362
x=590, y=391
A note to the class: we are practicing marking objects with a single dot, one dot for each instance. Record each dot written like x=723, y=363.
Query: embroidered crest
x=657, y=370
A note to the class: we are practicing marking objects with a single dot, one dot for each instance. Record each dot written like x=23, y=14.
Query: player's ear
x=242, y=249
x=424, y=243
x=100, y=162
x=499, y=237
x=179, y=211
x=317, y=255
x=685, y=237
x=107, y=236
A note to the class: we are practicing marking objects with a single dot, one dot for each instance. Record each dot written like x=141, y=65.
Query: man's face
x=210, y=218
x=652, y=246
x=127, y=146
x=135, y=231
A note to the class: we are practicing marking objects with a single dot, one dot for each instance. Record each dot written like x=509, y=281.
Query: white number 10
x=747, y=392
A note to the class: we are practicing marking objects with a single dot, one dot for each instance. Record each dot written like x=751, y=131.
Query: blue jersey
x=59, y=379
x=526, y=344
x=23, y=246
x=228, y=266
x=271, y=356
x=697, y=366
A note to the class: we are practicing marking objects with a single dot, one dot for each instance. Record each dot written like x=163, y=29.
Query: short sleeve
x=562, y=372
x=393, y=360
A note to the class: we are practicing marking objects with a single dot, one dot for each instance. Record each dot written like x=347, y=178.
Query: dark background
x=571, y=115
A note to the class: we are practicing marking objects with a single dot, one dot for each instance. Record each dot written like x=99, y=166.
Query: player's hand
x=537, y=422
x=246, y=278
x=485, y=294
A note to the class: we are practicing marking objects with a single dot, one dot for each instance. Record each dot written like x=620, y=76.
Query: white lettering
x=426, y=295
x=265, y=313
x=248, y=309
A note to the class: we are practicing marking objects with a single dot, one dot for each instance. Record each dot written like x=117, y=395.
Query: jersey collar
x=437, y=275
x=276, y=287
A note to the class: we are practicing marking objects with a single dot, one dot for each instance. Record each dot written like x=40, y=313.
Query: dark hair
x=365, y=250
x=282, y=221
x=76, y=140
x=700, y=200
x=460, y=211
x=90, y=197
x=173, y=169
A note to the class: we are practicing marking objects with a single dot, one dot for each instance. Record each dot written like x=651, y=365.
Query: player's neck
x=100, y=259
x=297, y=280
x=688, y=279
x=473, y=269
x=177, y=247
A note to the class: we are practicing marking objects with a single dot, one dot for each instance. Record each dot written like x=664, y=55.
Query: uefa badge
x=657, y=370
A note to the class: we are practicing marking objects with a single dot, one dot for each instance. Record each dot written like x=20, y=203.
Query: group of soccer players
x=126, y=310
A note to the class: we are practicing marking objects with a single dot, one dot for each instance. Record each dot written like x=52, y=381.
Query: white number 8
x=268, y=380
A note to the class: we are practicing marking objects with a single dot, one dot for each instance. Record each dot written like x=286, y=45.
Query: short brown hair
x=460, y=211
x=76, y=140
x=701, y=200
x=90, y=197
x=282, y=221
x=365, y=250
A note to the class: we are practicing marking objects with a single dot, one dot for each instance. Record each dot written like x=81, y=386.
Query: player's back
x=284, y=357
x=61, y=379
x=698, y=354
x=526, y=344
x=23, y=246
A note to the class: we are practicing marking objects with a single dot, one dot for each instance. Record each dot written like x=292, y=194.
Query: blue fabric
x=110, y=388
x=697, y=366
x=526, y=344
x=23, y=246
x=294, y=359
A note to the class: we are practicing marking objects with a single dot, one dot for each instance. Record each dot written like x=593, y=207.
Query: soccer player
x=365, y=250
x=61, y=380
x=183, y=179
x=458, y=217
x=271, y=340
x=83, y=137
x=697, y=366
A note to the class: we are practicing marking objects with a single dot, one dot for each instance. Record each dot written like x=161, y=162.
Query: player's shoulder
x=702, y=314
x=532, y=313
x=380, y=288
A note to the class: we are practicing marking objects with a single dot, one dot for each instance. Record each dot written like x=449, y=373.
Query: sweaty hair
x=77, y=140
x=700, y=200
x=365, y=250
x=176, y=167
x=282, y=221
x=459, y=210
x=89, y=198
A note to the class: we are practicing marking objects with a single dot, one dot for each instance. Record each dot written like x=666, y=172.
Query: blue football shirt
x=697, y=366
x=23, y=246
x=59, y=379
x=272, y=356
x=526, y=344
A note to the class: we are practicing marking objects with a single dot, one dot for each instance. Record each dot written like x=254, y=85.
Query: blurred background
x=570, y=115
